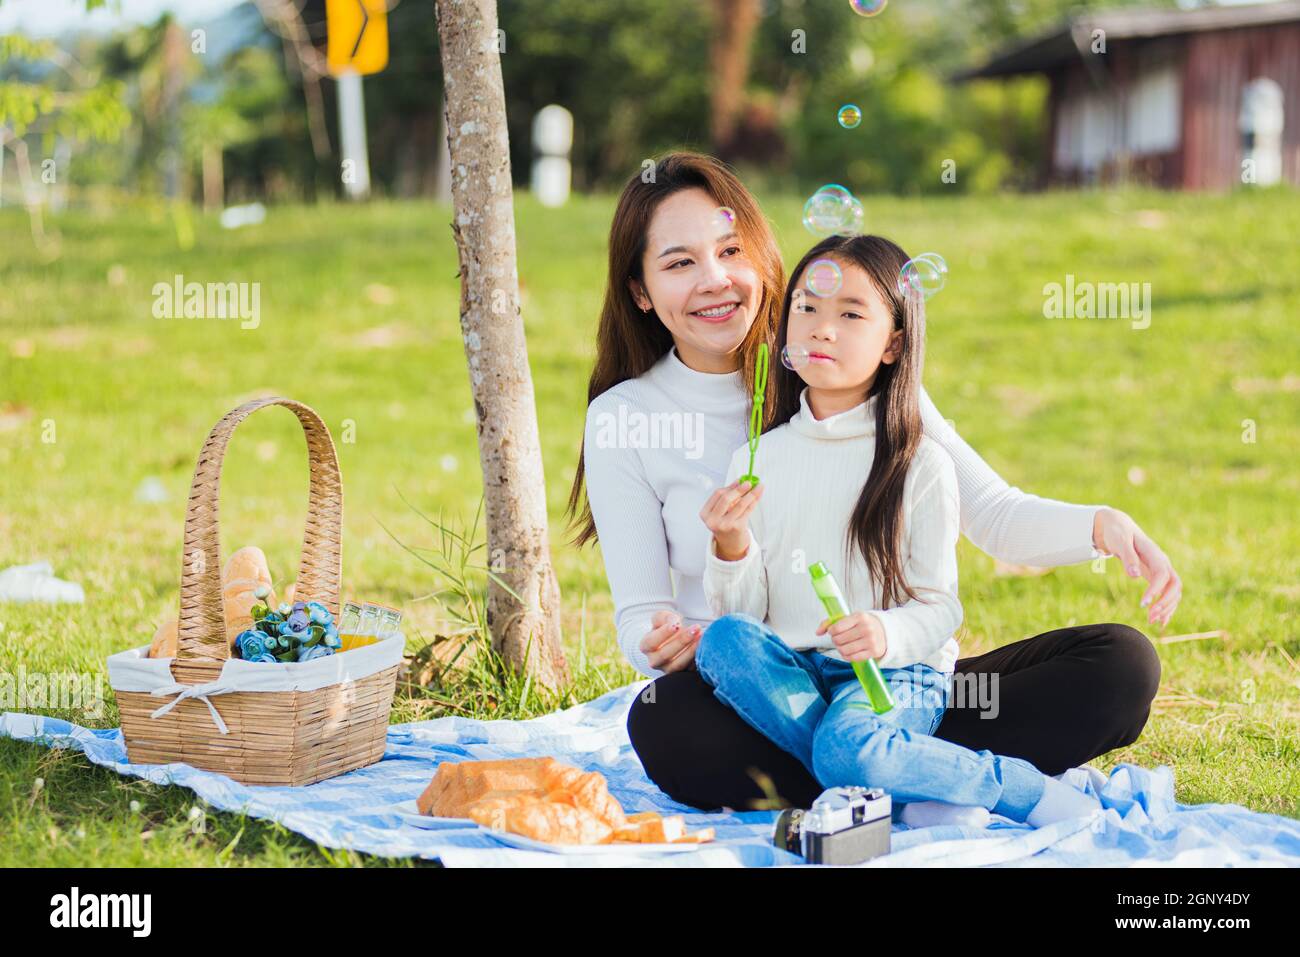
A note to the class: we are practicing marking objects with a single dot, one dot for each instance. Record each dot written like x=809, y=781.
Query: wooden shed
x=1203, y=99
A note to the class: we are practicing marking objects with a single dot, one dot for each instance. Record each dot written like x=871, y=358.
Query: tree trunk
x=214, y=179
x=509, y=451
x=734, y=25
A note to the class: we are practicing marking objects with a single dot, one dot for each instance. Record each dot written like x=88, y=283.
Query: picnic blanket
x=370, y=809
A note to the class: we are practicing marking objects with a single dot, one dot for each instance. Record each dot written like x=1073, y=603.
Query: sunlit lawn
x=1192, y=425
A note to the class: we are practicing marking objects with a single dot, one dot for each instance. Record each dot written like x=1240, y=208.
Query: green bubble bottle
x=868, y=672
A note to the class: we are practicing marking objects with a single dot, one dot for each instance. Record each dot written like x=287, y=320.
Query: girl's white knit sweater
x=656, y=446
x=813, y=472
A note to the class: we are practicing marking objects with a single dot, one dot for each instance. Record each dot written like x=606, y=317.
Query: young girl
x=891, y=544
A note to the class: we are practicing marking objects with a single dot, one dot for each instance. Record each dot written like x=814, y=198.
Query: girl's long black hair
x=876, y=528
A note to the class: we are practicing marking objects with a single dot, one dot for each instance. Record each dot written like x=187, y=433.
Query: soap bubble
x=868, y=8
x=828, y=210
x=794, y=357
x=922, y=276
x=724, y=217
x=850, y=116
x=852, y=224
x=824, y=277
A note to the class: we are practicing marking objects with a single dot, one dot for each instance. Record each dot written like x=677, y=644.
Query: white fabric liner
x=133, y=670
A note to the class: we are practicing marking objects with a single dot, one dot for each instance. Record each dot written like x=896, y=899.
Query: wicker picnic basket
x=333, y=718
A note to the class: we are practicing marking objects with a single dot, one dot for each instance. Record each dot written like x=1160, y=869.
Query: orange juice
x=365, y=624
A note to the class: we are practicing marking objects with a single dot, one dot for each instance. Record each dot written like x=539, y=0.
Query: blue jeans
x=812, y=706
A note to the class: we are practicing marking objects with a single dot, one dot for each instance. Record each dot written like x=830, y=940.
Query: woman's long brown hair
x=628, y=341
x=876, y=528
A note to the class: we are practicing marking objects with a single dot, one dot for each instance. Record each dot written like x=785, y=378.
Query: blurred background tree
x=758, y=82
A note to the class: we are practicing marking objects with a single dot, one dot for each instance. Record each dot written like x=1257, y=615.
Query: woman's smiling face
x=698, y=280
x=848, y=334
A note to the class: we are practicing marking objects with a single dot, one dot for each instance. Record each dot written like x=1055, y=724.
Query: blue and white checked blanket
x=369, y=809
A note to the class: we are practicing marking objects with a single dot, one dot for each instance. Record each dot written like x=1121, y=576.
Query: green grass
x=1148, y=420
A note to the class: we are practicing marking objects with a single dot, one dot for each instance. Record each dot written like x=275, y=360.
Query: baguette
x=245, y=572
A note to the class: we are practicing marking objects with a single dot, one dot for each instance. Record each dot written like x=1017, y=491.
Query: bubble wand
x=868, y=672
x=756, y=417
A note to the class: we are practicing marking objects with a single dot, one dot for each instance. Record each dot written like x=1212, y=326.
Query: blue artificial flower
x=267, y=658
x=298, y=621
x=320, y=615
x=314, y=652
x=285, y=608
x=251, y=645
x=300, y=606
x=333, y=641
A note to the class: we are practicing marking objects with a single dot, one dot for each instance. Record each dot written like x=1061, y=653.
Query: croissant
x=555, y=822
x=546, y=800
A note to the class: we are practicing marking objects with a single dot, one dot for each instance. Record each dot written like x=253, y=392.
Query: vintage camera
x=845, y=825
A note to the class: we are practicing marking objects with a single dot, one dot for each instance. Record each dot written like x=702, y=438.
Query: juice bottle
x=350, y=633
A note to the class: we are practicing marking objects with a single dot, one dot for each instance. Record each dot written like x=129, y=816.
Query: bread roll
x=456, y=786
x=164, y=639
x=239, y=600
x=249, y=562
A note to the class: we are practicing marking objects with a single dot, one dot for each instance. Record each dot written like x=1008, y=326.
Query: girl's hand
x=726, y=514
x=1114, y=533
x=858, y=636
x=669, y=646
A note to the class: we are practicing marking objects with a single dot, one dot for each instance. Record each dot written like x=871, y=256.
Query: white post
x=352, y=136
x=1261, y=122
x=552, y=140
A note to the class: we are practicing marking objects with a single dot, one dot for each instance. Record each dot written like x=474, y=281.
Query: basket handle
x=202, y=632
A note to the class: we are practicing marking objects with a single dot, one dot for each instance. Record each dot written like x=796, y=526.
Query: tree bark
x=510, y=453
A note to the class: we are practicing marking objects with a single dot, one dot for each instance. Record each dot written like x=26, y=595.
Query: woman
x=694, y=286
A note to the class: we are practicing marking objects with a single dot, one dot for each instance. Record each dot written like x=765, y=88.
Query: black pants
x=1064, y=697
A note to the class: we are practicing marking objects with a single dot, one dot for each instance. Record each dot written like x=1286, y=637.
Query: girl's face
x=848, y=334
x=698, y=280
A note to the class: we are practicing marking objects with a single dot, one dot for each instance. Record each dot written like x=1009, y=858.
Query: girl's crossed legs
x=813, y=707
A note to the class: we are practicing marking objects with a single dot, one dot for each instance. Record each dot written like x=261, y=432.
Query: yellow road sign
x=357, y=32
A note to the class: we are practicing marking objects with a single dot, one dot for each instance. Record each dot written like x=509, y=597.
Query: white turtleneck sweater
x=658, y=445
x=813, y=471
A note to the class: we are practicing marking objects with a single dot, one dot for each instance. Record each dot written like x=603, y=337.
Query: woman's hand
x=726, y=514
x=858, y=636
x=1114, y=533
x=669, y=646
